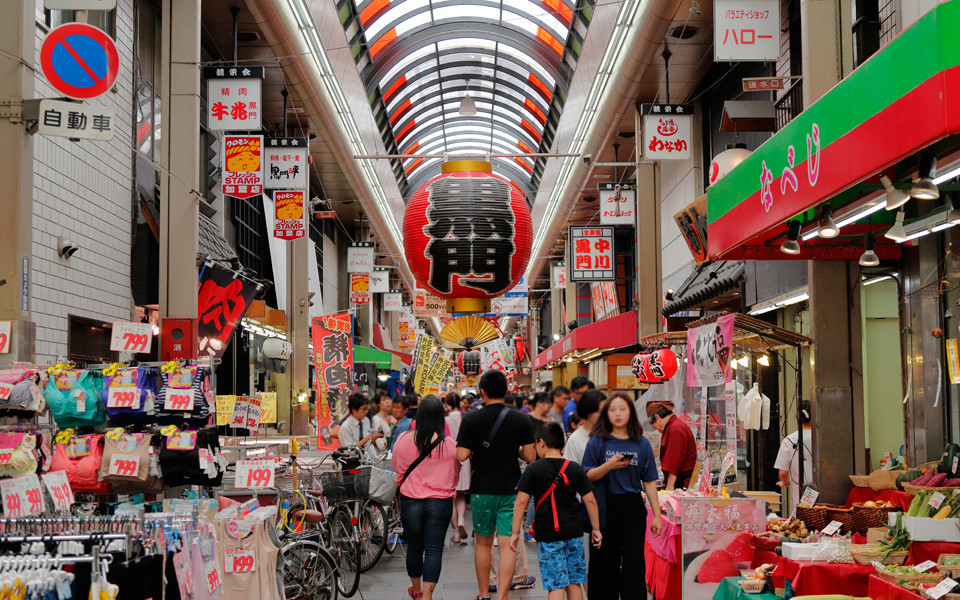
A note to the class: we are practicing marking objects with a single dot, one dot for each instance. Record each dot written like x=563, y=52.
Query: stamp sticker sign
x=79, y=60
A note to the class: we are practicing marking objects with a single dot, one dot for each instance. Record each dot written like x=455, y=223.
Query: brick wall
x=82, y=192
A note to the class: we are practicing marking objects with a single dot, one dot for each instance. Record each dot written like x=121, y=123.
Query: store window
x=147, y=67
x=89, y=341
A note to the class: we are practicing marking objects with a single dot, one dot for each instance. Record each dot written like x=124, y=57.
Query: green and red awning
x=904, y=98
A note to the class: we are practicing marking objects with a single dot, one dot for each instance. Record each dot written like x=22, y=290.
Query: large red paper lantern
x=467, y=235
x=656, y=367
x=469, y=363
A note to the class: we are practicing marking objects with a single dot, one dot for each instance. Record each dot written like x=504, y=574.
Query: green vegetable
x=907, y=477
x=946, y=462
x=898, y=538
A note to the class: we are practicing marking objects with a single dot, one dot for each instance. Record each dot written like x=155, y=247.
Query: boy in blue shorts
x=554, y=484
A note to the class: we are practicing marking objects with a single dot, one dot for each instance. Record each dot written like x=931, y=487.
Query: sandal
x=462, y=531
x=415, y=596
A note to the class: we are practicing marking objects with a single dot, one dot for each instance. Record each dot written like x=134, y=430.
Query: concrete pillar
x=298, y=332
x=17, y=39
x=179, y=157
x=649, y=264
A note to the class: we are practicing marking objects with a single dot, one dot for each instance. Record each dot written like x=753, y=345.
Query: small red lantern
x=663, y=364
x=467, y=235
x=640, y=365
x=521, y=348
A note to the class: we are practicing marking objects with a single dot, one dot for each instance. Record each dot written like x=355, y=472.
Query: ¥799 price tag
x=254, y=474
x=131, y=337
x=240, y=561
x=59, y=487
x=177, y=400
x=124, y=465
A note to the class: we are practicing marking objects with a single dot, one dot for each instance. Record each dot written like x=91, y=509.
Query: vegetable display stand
x=865, y=554
x=916, y=489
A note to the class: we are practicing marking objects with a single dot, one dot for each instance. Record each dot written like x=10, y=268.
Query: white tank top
x=246, y=579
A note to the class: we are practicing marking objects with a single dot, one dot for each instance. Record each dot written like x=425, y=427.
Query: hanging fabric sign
x=709, y=350
x=333, y=360
x=223, y=300
x=953, y=361
x=422, y=354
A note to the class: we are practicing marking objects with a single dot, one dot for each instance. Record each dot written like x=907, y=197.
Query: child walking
x=554, y=483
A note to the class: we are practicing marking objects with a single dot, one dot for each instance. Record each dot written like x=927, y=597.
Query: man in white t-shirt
x=788, y=458
x=588, y=409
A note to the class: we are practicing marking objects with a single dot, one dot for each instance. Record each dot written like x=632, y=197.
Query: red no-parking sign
x=79, y=60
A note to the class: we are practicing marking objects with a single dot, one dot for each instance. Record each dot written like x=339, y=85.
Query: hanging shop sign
x=6, y=328
x=764, y=84
x=393, y=301
x=242, y=167
x=333, y=361
x=380, y=280
x=360, y=257
x=692, y=222
x=72, y=120
x=289, y=222
x=746, y=30
x=422, y=354
x=667, y=131
x=709, y=352
x=222, y=301
x=618, y=203
x=428, y=305
x=286, y=164
x=234, y=99
x=833, y=144
x=359, y=288
x=79, y=60
x=603, y=298
x=558, y=275
x=591, y=253
x=136, y=338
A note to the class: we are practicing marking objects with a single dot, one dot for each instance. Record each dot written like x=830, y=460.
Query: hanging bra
x=80, y=458
x=130, y=396
x=129, y=457
x=174, y=404
x=74, y=399
x=18, y=454
x=182, y=466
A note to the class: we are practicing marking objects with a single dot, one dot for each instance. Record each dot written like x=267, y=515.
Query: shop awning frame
x=750, y=334
x=589, y=341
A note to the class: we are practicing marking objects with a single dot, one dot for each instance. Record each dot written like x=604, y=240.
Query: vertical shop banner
x=393, y=301
x=359, y=288
x=746, y=30
x=730, y=408
x=286, y=161
x=591, y=254
x=289, y=222
x=360, y=257
x=408, y=329
x=953, y=361
x=242, y=165
x=422, y=354
x=333, y=361
x=439, y=369
x=603, y=298
x=667, y=131
x=365, y=377
x=618, y=203
x=380, y=280
x=222, y=301
x=268, y=407
x=709, y=351
x=558, y=274
x=234, y=98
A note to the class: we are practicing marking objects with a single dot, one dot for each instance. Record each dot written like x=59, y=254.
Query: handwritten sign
x=937, y=499
x=124, y=465
x=709, y=352
x=225, y=405
x=240, y=406
x=59, y=488
x=5, y=390
x=5, y=328
x=241, y=561
x=253, y=413
x=925, y=566
x=810, y=496
x=832, y=528
x=941, y=589
x=131, y=337
x=268, y=407
x=22, y=496
x=254, y=474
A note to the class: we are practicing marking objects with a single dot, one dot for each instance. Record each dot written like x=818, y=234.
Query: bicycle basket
x=303, y=481
x=383, y=486
x=342, y=486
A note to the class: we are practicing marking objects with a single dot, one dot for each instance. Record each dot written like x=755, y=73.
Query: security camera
x=66, y=248
x=587, y=159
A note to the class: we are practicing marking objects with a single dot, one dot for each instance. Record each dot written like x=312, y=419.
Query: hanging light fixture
x=895, y=198
x=953, y=216
x=764, y=361
x=925, y=188
x=896, y=233
x=828, y=229
x=869, y=258
x=791, y=245
x=468, y=107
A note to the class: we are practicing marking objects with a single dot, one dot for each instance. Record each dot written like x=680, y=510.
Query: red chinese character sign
x=333, y=362
x=234, y=98
x=667, y=131
x=222, y=301
x=288, y=223
x=591, y=253
x=467, y=234
x=242, y=165
x=746, y=30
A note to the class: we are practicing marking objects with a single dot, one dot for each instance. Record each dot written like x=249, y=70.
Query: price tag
x=178, y=400
x=240, y=412
x=59, y=487
x=832, y=528
x=123, y=397
x=254, y=474
x=925, y=566
x=131, y=337
x=5, y=390
x=956, y=460
x=253, y=413
x=124, y=465
x=240, y=561
x=937, y=499
x=941, y=589
x=22, y=496
x=810, y=496
x=6, y=456
x=5, y=329
x=211, y=574
x=81, y=398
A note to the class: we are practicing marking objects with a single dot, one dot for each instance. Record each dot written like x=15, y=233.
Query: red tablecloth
x=924, y=551
x=879, y=589
x=817, y=578
x=664, y=578
x=859, y=494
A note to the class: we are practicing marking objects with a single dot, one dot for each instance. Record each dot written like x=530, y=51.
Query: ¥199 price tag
x=925, y=566
x=240, y=561
x=254, y=474
x=937, y=499
x=832, y=528
x=59, y=488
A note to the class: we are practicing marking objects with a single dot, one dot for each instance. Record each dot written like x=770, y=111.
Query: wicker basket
x=842, y=514
x=894, y=578
x=814, y=518
x=860, y=480
x=866, y=554
x=864, y=518
x=916, y=489
x=927, y=466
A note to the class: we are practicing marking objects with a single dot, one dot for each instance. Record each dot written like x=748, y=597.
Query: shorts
x=492, y=513
x=562, y=563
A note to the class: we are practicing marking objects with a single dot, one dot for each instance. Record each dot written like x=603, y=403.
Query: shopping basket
x=343, y=486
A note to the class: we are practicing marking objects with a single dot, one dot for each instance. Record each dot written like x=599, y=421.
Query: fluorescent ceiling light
x=878, y=279
x=946, y=176
x=764, y=309
x=852, y=216
x=794, y=299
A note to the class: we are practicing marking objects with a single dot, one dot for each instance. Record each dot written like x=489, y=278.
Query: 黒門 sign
x=591, y=253
x=746, y=30
x=558, y=273
x=667, y=131
x=289, y=223
x=618, y=203
x=234, y=98
x=286, y=164
x=360, y=257
x=242, y=173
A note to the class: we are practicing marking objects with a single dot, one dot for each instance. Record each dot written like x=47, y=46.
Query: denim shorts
x=562, y=563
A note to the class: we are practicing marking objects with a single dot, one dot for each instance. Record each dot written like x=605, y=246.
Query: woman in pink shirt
x=427, y=468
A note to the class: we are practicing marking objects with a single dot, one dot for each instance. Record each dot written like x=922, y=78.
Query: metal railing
x=790, y=105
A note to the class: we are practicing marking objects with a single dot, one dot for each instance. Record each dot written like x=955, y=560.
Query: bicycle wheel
x=373, y=534
x=345, y=547
x=309, y=572
x=395, y=527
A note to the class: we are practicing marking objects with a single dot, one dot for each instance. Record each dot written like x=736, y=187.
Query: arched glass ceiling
x=419, y=58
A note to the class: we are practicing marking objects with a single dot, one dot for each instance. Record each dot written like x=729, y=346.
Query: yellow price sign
x=225, y=409
x=268, y=407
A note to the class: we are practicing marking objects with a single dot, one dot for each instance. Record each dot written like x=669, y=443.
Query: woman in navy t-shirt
x=619, y=460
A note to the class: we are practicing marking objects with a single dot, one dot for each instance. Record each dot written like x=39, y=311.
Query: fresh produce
x=794, y=528
x=908, y=477
x=946, y=462
x=937, y=480
x=898, y=539
x=761, y=571
x=923, y=479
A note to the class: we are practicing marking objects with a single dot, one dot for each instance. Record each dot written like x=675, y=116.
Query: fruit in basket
x=870, y=504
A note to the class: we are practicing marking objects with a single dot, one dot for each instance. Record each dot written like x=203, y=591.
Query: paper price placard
x=211, y=575
x=22, y=496
x=178, y=400
x=131, y=337
x=941, y=589
x=832, y=528
x=925, y=566
x=123, y=397
x=240, y=561
x=239, y=418
x=810, y=496
x=124, y=465
x=937, y=499
x=254, y=474
x=253, y=413
x=59, y=488
x=5, y=328
x=5, y=390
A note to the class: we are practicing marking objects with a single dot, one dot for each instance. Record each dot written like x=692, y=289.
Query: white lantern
x=277, y=348
x=727, y=160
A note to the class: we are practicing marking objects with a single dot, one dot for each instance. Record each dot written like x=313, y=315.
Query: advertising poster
x=333, y=360
x=242, y=165
x=223, y=300
x=288, y=223
x=359, y=288
x=422, y=353
x=426, y=304
x=710, y=349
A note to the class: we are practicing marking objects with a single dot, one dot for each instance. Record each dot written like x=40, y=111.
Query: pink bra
x=83, y=472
